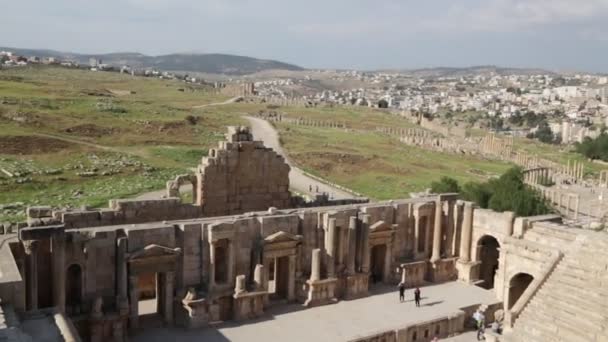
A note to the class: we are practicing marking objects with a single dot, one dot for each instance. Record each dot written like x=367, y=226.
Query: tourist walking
x=401, y=292
x=481, y=329
x=417, y=297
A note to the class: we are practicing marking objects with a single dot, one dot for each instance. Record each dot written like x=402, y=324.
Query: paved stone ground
x=338, y=322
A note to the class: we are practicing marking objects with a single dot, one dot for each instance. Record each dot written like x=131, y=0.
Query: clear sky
x=363, y=34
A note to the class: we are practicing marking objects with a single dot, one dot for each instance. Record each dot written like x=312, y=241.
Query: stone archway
x=517, y=286
x=488, y=255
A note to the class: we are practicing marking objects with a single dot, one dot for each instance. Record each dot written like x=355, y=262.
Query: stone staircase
x=551, y=235
x=572, y=304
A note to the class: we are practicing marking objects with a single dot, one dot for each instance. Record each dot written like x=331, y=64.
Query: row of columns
x=538, y=176
x=407, y=132
x=493, y=145
x=574, y=170
x=563, y=200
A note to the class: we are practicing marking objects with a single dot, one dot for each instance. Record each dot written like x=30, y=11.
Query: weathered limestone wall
x=122, y=211
x=242, y=175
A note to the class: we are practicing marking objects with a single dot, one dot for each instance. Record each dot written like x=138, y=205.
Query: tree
x=594, y=148
x=506, y=193
x=544, y=134
x=445, y=185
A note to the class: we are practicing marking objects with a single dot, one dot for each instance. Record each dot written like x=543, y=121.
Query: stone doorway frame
x=278, y=245
x=153, y=259
x=382, y=233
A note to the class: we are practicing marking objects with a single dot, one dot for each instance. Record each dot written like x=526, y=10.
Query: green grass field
x=122, y=135
x=377, y=165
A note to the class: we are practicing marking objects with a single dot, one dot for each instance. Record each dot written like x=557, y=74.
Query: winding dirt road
x=298, y=180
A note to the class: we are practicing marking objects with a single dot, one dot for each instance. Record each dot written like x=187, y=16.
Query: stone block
x=39, y=211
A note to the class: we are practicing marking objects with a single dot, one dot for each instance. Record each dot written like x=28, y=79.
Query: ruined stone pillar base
x=321, y=292
x=196, y=313
x=468, y=272
x=442, y=270
x=248, y=305
x=357, y=286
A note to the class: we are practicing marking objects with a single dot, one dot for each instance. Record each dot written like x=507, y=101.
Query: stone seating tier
x=572, y=305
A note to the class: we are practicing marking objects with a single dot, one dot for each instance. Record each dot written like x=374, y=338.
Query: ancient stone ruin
x=242, y=175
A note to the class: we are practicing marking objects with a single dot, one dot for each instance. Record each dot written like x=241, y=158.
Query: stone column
x=331, y=248
x=388, y=262
x=437, y=231
x=467, y=230
x=417, y=254
x=315, y=267
x=576, y=206
x=352, y=245
x=31, y=251
x=450, y=229
x=168, y=297
x=365, y=244
x=58, y=252
x=211, y=265
x=122, y=276
x=231, y=251
x=134, y=297
x=291, y=289
x=258, y=278
x=403, y=275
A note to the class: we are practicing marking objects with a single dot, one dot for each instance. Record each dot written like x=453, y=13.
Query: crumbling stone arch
x=174, y=186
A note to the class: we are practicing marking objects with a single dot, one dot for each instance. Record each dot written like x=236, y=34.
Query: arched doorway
x=517, y=286
x=488, y=254
x=378, y=256
x=73, y=295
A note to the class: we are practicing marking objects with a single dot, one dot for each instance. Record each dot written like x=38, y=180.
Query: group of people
x=402, y=294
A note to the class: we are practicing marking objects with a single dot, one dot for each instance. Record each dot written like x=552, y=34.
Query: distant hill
x=205, y=63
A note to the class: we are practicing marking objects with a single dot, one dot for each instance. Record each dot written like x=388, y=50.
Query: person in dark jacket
x=401, y=292
x=417, y=296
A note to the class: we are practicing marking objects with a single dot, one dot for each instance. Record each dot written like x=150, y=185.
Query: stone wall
x=242, y=175
x=122, y=211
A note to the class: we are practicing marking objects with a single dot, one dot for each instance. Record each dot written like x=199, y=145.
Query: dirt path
x=298, y=180
x=229, y=101
x=79, y=142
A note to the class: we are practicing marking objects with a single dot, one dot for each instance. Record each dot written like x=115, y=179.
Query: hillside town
x=571, y=106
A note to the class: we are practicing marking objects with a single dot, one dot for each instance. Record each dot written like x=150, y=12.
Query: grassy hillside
x=72, y=137
x=377, y=165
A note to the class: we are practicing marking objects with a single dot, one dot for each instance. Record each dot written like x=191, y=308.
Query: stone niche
x=242, y=175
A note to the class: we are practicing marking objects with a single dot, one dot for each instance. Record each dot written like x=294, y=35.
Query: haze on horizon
x=358, y=34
